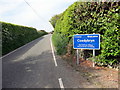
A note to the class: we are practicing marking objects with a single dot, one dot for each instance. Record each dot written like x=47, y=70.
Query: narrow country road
x=34, y=66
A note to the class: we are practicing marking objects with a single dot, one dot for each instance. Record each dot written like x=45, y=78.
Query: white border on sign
x=87, y=48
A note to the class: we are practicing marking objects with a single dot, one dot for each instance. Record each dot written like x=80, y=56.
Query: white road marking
x=53, y=52
x=61, y=83
x=18, y=49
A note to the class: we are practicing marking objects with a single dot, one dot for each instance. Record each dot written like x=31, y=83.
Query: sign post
x=93, y=57
x=86, y=41
x=77, y=56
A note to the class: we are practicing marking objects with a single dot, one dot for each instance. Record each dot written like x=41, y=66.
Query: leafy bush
x=60, y=42
x=94, y=17
x=54, y=19
x=14, y=36
x=42, y=32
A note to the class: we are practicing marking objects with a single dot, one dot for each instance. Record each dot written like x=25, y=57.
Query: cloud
x=18, y=12
x=8, y=5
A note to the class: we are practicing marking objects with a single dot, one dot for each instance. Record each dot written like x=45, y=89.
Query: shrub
x=94, y=17
x=42, y=32
x=14, y=36
x=60, y=42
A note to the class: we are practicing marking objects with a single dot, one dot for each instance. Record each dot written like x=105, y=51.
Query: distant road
x=34, y=66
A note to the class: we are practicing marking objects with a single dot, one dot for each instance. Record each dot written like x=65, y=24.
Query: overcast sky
x=18, y=12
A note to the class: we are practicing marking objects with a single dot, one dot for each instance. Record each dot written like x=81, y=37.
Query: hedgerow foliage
x=93, y=17
x=60, y=41
x=54, y=19
x=14, y=36
x=42, y=32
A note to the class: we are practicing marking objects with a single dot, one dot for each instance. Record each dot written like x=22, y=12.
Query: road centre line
x=53, y=52
x=61, y=83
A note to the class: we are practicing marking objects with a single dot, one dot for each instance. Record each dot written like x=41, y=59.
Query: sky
x=37, y=16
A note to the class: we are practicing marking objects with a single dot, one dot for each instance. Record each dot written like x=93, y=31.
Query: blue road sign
x=86, y=41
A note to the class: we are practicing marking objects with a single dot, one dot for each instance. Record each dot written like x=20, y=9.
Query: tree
x=54, y=19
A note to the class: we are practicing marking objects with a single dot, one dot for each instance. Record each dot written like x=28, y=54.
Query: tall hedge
x=94, y=17
x=14, y=36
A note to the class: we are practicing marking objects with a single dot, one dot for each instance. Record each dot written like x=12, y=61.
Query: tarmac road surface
x=34, y=66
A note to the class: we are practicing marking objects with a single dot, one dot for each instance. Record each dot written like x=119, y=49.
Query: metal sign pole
x=77, y=57
x=93, y=53
x=86, y=41
x=93, y=57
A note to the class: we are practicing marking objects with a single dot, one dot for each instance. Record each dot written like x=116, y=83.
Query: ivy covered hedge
x=14, y=36
x=93, y=17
